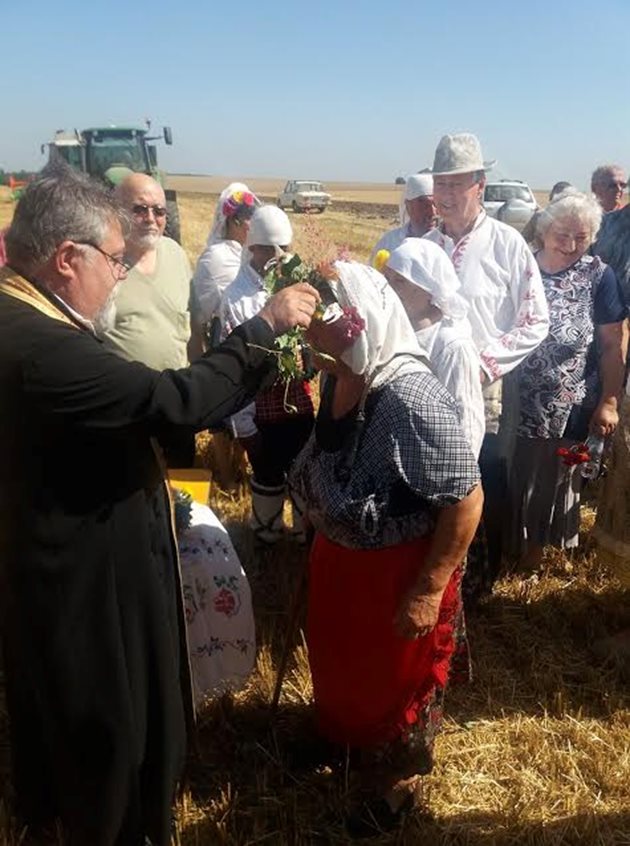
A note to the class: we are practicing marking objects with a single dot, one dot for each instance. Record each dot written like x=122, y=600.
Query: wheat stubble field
x=535, y=752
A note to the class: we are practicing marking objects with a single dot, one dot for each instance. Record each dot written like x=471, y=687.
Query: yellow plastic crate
x=194, y=481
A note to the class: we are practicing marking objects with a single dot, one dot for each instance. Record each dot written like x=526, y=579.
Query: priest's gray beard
x=105, y=320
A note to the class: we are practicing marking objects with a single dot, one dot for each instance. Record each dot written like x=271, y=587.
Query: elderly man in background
x=608, y=183
x=507, y=310
x=417, y=214
x=91, y=614
x=613, y=246
x=152, y=322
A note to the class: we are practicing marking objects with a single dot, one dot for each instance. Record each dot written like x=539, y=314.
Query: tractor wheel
x=173, y=229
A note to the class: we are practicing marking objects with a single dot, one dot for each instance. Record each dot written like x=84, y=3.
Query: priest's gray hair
x=571, y=204
x=59, y=205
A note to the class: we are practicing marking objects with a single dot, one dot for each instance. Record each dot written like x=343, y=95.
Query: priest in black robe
x=95, y=658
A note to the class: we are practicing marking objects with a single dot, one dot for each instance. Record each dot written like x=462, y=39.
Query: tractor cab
x=67, y=146
x=111, y=153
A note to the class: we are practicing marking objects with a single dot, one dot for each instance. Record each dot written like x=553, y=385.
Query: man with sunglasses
x=608, y=183
x=92, y=621
x=152, y=322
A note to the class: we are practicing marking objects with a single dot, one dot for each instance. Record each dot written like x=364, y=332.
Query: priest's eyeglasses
x=119, y=267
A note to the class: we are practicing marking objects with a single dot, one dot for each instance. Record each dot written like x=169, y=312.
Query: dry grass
x=535, y=752
x=6, y=206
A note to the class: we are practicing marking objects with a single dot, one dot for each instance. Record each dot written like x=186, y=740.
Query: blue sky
x=331, y=90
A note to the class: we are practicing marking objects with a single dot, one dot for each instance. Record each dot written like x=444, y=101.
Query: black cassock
x=93, y=631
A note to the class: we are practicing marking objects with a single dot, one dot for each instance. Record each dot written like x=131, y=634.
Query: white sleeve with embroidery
x=531, y=321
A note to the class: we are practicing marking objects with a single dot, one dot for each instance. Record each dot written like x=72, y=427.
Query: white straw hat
x=459, y=153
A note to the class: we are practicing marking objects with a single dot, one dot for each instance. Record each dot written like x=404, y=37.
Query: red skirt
x=372, y=686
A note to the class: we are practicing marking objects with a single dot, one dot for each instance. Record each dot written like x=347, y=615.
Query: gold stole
x=14, y=285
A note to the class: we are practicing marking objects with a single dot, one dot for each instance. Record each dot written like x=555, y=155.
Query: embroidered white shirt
x=501, y=281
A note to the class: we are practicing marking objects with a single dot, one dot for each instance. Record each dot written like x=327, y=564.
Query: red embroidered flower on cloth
x=225, y=602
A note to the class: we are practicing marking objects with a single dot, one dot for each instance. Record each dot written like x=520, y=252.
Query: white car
x=496, y=194
x=303, y=196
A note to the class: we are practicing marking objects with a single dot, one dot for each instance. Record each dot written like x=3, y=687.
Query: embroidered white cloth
x=242, y=299
x=218, y=606
x=217, y=267
x=501, y=281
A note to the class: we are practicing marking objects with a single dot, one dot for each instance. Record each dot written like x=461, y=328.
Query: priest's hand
x=291, y=307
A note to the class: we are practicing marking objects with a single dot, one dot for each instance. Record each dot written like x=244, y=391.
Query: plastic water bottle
x=595, y=445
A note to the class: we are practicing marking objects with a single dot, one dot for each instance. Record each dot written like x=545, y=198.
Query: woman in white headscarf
x=392, y=490
x=417, y=215
x=220, y=261
x=424, y=278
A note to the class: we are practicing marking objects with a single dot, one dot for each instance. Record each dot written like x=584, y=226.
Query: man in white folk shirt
x=417, y=214
x=507, y=311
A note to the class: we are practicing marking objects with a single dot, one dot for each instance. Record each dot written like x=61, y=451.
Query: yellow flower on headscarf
x=381, y=259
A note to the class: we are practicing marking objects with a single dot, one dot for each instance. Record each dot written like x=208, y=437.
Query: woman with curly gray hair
x=570, y=385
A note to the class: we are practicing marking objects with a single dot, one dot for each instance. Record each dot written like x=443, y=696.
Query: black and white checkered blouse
x=412, y=458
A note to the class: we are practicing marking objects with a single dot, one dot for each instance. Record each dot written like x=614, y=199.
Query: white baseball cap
x=270, y=227
x=418, y=185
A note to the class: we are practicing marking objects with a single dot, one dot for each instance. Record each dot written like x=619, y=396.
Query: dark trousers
x=280, y=444
x=486, y=550
x=179, y=449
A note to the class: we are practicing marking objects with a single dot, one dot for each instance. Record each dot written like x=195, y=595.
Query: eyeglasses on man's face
x=616, y=185
x=142, y=210
x=119, y=267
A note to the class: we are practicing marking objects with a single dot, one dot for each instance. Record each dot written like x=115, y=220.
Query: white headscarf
x=416, y=185
x=426, y=265
x=387, y=348
x=218, y=231
x=270, y=227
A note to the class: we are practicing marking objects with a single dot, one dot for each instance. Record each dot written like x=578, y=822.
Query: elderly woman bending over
x=424, y=278
x=392, y=489
x=570, y=386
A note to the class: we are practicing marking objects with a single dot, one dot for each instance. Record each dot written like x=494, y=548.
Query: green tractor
x=110, y=153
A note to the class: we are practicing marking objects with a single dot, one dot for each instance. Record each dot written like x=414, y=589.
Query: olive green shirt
x=153, y=319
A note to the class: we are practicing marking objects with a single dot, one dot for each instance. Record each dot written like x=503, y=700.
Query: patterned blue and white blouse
x=559, y=383
x=410, y=459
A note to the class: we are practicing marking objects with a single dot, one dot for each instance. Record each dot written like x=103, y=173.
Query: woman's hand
x=418, y=613
x=605, y=418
